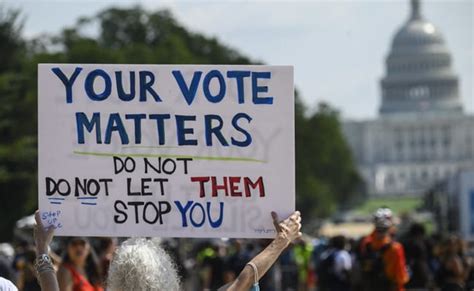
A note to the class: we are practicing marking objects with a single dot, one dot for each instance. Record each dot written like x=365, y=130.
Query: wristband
x=255, y=271
x=43, y=264
x=255, y=286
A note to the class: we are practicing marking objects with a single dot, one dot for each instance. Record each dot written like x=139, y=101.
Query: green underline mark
x=134, y=155
x=149, y=147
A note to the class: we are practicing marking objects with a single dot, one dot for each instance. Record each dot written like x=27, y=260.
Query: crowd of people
x=137, y=263
x=382, y=260
x=385, y=260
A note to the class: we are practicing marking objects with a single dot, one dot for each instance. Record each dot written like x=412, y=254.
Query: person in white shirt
x=342, y=258
x=7, y=285
x=335, y=266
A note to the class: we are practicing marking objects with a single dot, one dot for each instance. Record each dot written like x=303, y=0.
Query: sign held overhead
x=165, y=150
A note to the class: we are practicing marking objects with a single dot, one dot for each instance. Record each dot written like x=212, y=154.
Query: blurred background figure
x=6, y=262
x=303, y=250
x=335, y=266
x=239, y=254
x=105, y=250
x=79, y=270
x=212, y=269
x=289, y=270
x=454, y=269
x=417, y=252
x=27, y=276
x=382, y=259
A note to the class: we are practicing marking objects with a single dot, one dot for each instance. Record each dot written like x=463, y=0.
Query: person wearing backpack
x=381, y=258
x=335, y=266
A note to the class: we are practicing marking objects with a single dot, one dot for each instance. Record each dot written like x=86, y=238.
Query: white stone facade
x=405, y=154
x=422, y=135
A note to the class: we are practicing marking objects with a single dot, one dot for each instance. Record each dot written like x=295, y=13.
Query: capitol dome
x=419, y=76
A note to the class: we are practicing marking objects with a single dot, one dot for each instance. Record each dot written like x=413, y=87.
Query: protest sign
x=165, y=150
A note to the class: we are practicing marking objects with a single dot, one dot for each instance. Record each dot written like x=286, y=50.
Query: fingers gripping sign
x=289, y=228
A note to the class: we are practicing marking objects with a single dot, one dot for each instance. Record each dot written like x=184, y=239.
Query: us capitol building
x=422, y=135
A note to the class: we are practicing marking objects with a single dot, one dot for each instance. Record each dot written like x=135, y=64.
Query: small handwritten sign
x=164, y=150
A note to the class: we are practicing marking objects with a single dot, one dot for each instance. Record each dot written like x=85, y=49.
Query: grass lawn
x=399, y=205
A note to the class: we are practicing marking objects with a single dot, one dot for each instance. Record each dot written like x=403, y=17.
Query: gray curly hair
x=140, y=264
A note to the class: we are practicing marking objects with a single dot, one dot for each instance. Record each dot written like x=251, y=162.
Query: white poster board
x=165, y=150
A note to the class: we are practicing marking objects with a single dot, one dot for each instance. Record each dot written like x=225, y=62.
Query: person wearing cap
x=79, y=270
x=383, y=258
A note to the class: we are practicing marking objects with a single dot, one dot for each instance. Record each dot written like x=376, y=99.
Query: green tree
x=327, y=179
x=17, y=127
x=11, y=44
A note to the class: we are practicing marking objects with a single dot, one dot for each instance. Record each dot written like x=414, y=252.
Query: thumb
x=276, y=221
x=39, y=222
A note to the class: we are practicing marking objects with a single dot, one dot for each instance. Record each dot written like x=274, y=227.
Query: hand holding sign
x=43, y=235
x=288, y=229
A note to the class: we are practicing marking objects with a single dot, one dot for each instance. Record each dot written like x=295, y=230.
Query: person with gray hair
x=142, y=265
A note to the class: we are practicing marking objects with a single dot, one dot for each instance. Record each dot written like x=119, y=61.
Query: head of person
x=452, y=245
x=338, y=242
x=80, y=253
x=417, y=230
x=383, y=221
x=140, y=264
x=107, y=245
x=237, y=245
x=77, y=250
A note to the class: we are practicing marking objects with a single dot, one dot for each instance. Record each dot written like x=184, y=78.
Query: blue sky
x=337, y=47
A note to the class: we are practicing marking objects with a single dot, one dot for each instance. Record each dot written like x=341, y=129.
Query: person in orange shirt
x=79, y=270
x=382, y=259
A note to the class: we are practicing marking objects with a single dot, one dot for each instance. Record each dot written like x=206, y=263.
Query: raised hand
x=43, y=235
x=289, y=228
